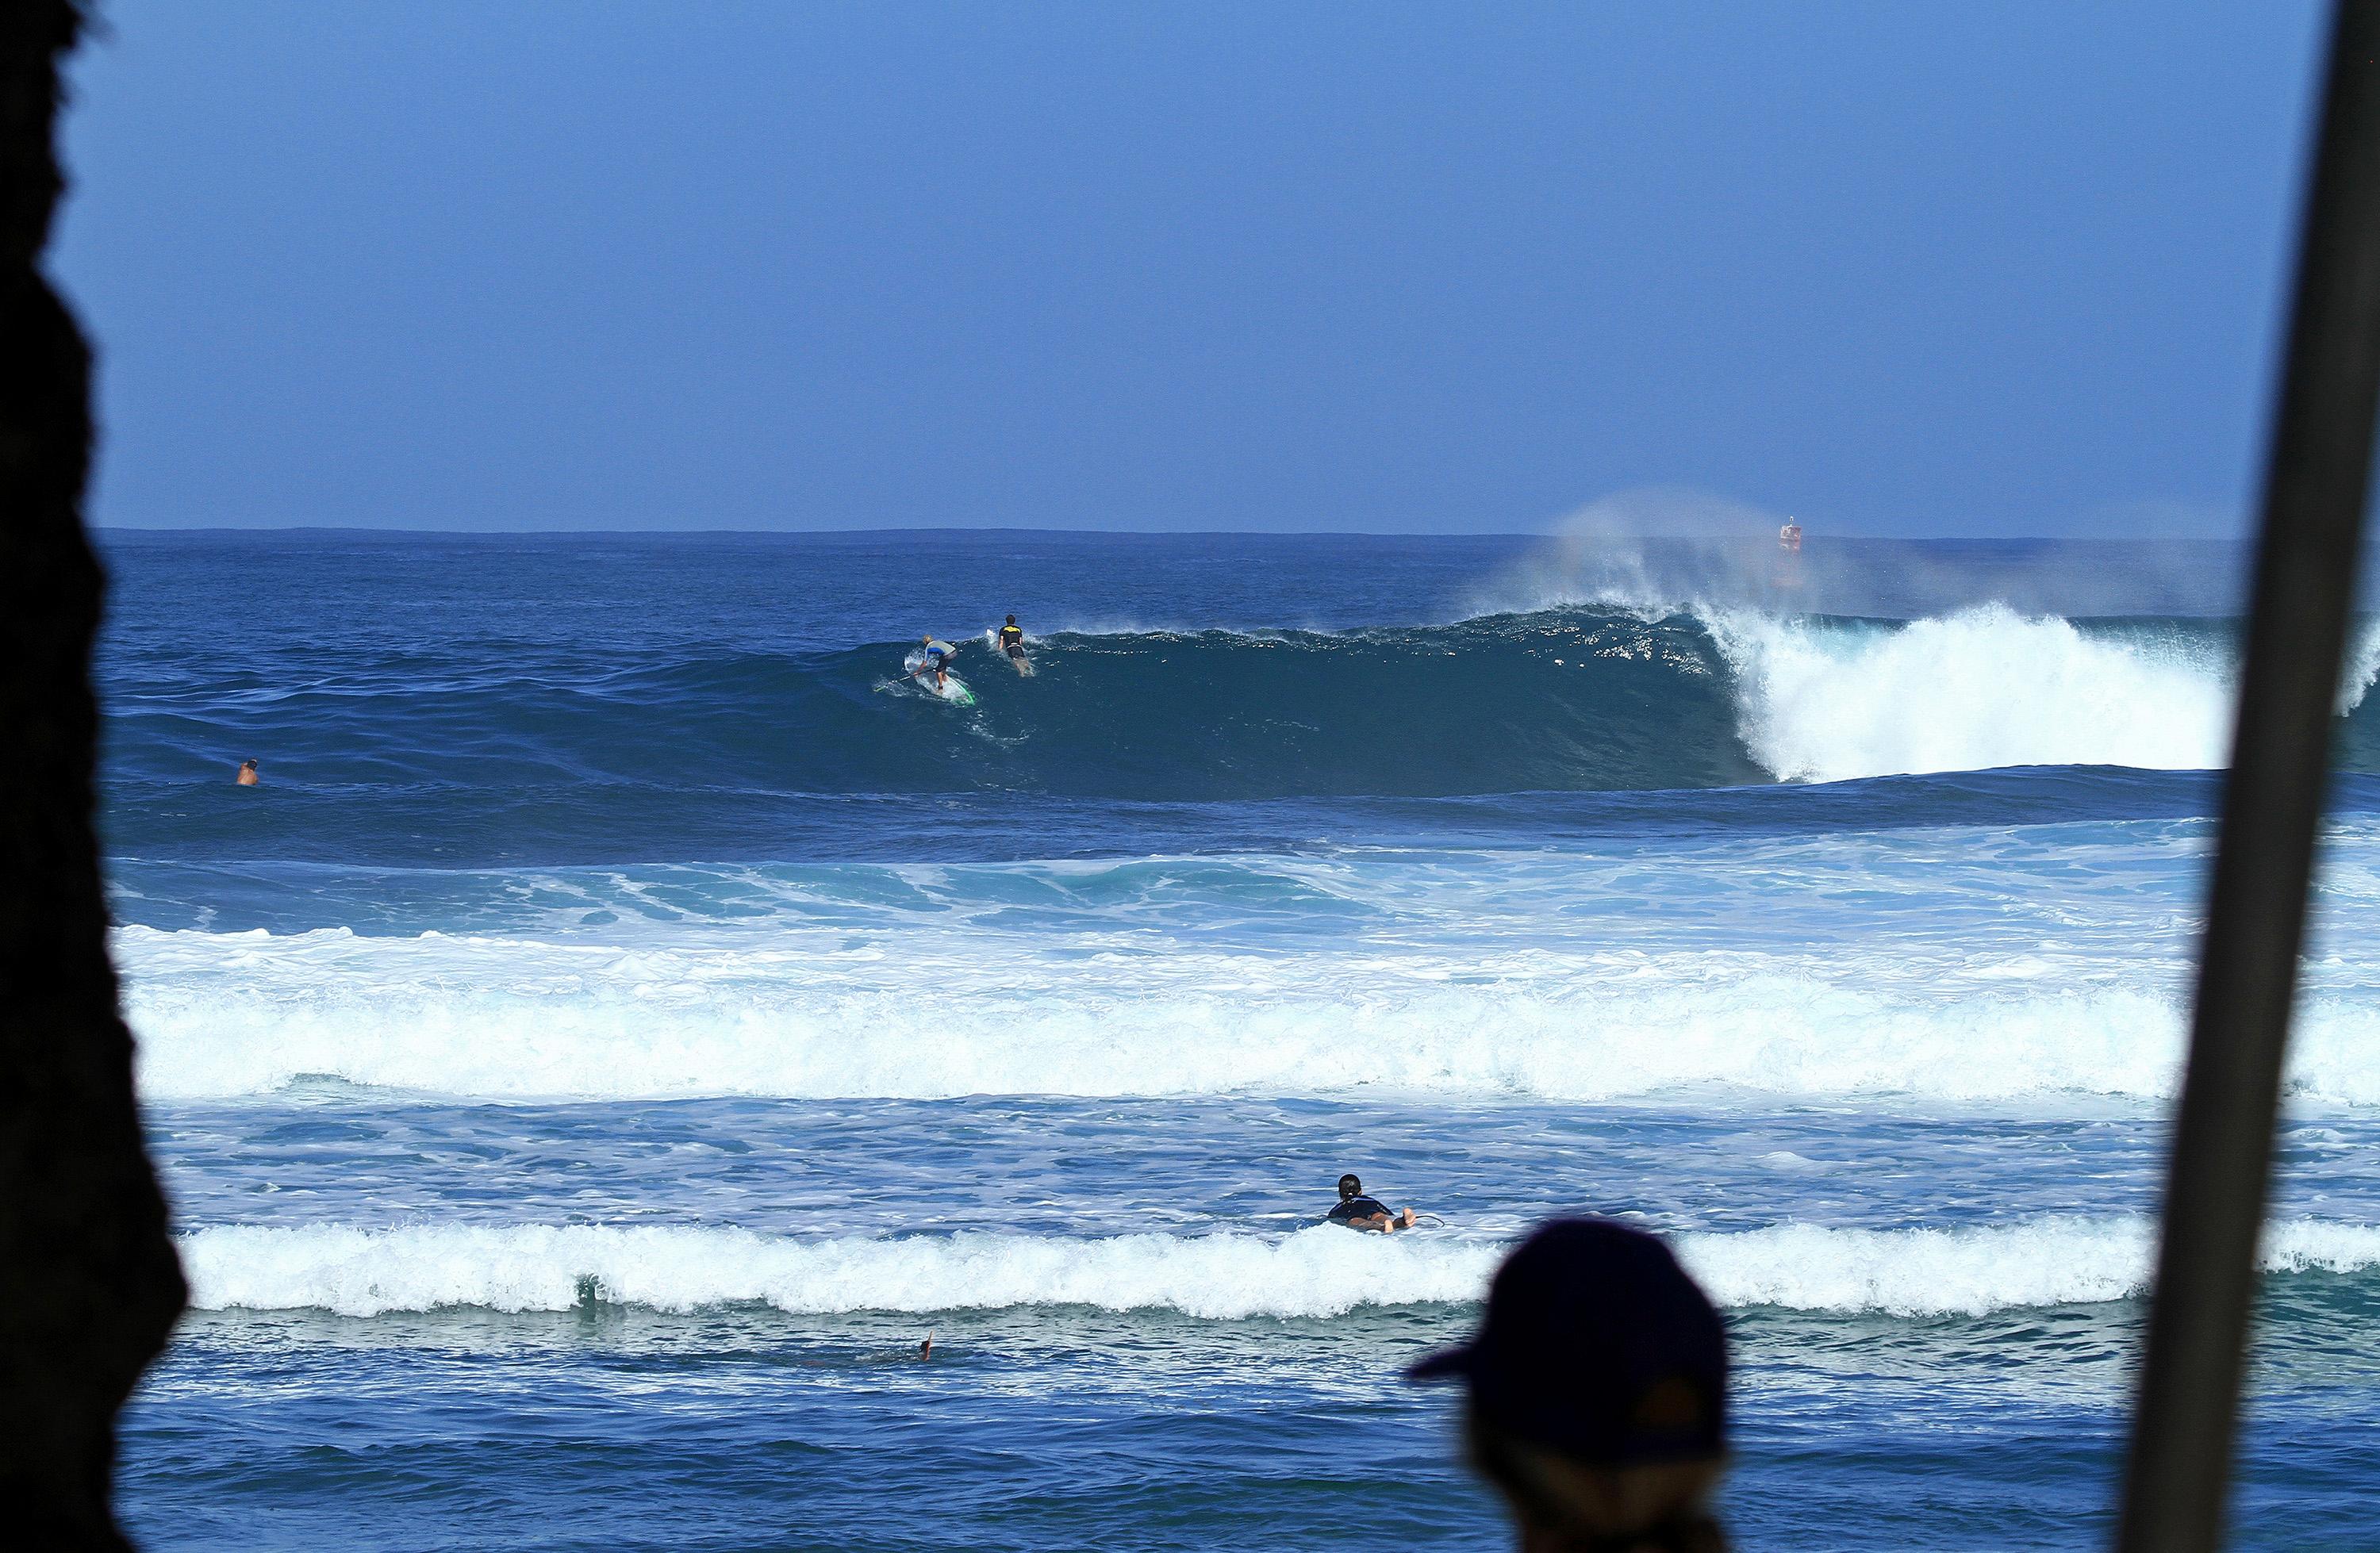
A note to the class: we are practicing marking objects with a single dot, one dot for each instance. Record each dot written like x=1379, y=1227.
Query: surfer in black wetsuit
x=1359, y=1212
x=1012, y=642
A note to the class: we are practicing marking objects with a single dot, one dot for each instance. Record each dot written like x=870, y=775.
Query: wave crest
x=1986, y=687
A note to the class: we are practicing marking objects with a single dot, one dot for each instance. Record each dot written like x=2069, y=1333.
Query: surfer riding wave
x=935, y=660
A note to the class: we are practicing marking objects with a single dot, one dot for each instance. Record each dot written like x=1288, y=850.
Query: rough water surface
x=624, y=1022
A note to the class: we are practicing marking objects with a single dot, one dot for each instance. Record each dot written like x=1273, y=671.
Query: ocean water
x=621, y=1026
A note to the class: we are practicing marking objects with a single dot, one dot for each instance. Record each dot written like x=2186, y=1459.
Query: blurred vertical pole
x=2315, y=488
x=88, y=1285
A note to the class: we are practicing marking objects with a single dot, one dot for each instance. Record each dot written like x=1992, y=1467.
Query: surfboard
x=954, y=690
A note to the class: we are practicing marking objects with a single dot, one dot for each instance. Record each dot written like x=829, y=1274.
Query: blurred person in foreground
x=1597, y=1402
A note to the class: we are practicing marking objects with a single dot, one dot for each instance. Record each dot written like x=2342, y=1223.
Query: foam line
x=235, y=1014
x=1318, y=1272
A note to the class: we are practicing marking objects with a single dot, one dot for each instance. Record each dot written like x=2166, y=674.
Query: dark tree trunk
x=89, y=1286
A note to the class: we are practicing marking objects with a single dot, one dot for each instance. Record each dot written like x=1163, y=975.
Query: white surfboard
x=953, y=689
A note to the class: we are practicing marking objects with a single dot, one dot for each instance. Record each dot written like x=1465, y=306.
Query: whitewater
x=1316, y=1272
x=513, y=1018
x=620, y=1028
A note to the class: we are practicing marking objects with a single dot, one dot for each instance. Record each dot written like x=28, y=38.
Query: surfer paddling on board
x=935, y=662
x=1359, y=1212
x=1012, y=642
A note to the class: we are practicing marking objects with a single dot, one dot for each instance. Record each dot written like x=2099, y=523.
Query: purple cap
x=1596, y=1344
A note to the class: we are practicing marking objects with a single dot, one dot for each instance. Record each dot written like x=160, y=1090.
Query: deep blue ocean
x=625, y=1020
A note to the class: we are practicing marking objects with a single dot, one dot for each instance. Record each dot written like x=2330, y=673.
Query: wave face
x=1577, y=700
x=1318, y=1272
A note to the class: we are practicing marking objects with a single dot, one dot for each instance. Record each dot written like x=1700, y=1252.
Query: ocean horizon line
x=379, y=530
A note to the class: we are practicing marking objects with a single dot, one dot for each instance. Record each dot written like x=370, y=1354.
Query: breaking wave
x=232, y=1015
x=1575, y=698
x=1828, y=701
x=1319, y=1272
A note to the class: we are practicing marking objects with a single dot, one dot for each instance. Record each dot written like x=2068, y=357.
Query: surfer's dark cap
x=1596, y=1344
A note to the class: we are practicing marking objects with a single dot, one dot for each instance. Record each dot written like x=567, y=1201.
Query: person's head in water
x=247, y=777
x=1598, y=1392
x=1350, y=1187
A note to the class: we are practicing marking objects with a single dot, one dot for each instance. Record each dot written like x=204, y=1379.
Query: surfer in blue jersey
x=937, y=662
x=1360, y=1212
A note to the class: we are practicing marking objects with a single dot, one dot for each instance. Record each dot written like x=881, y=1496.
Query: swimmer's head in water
x=1349, y=1187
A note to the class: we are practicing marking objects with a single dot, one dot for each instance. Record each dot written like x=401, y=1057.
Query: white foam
x=1981, y=688
x=231, y=1014
x=2363, y=671
x=1972, y=1271
x=355, y=1271
x=1985, y=688
x=1317, y=1272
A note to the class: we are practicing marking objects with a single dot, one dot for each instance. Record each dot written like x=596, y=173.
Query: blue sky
x=2000, y=270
